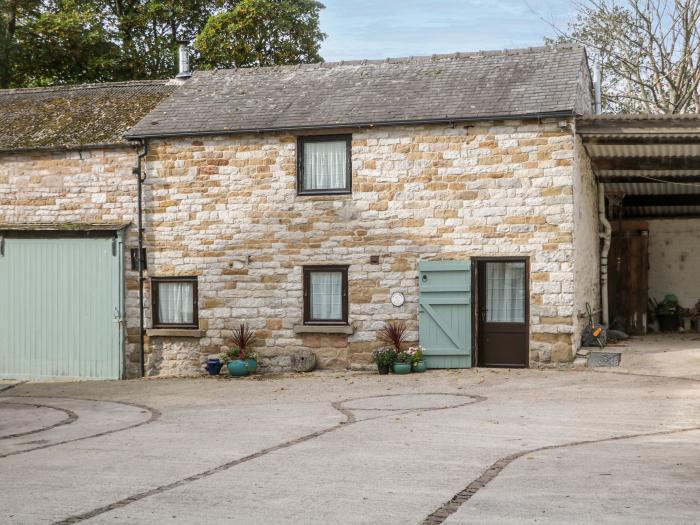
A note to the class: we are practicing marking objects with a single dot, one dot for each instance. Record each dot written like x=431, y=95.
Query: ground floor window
x=325, y=294
x=505, y=296
x=174, y=302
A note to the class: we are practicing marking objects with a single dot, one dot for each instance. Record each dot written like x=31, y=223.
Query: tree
x=262, y=33
x=649, y=51
x=46, y=42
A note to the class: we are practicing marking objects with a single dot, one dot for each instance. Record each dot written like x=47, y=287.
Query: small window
x=324, y=165
x=174, y=301
x=326, y=295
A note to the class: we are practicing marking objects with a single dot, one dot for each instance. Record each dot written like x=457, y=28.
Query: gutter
x=358, y=125
x=140, y=179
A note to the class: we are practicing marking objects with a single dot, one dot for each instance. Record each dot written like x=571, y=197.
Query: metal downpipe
x=140, y=179
x=606, y=235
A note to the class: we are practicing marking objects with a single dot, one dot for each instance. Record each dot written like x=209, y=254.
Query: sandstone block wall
x=226, y=210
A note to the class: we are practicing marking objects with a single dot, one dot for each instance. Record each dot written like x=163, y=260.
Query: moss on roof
x=66, y=117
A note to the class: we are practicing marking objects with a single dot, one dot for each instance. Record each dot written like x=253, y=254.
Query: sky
x=373, y=29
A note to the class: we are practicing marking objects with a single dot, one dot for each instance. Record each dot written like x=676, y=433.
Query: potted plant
x=243, y=339
x=241, y=360
x=214, y=365
x=384, y=357
x=403, y=363
x=394, y=333
x=417, y=361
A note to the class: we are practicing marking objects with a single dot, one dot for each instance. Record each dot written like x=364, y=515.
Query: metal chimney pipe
x=596, y=87
x=184, y=60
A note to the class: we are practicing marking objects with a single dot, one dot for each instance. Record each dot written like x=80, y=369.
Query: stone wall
x=88, y=186
x=226, y=210
x=586, y=240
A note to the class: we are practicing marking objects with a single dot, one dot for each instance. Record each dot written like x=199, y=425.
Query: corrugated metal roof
x=662, y=211
x=643, y=150
x=650, y=188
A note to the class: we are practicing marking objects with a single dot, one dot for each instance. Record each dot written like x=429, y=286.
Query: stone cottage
x=316, y=202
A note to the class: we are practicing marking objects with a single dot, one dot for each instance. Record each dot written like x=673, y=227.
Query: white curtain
x=505, y=296
x=326, y=295
x=175, y=303
x=324, y=165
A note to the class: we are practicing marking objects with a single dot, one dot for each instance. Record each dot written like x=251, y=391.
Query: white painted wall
x=674, y=260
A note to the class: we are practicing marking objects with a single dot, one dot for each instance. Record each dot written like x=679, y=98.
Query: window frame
x=347, y=189
x=308, y=270
x=155, y=321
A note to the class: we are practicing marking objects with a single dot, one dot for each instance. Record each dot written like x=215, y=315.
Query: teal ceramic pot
x=252, y=364
x=402, y=368
x=420, y=366
x=237, y=368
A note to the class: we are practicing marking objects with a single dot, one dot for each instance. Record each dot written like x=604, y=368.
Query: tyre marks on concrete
x=448, y=508
x=350, y=419
x=153, y=415
x=71, y=417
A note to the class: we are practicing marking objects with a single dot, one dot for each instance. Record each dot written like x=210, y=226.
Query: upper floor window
x=324, y=164
x=174, y=302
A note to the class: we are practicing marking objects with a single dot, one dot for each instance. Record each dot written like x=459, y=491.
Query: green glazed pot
x=237, y=368
x=420, y=366
x=252, y=364
x=402, y=368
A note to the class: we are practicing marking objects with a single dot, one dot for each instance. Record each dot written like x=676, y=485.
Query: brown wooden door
x=628, y=271
x=502, y=313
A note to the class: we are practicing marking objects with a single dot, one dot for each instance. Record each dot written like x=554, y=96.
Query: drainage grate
x=603, y=359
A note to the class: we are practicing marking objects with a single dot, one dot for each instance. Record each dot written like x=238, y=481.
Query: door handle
x=482, y=314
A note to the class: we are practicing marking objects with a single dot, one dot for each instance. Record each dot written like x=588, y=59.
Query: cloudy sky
x=393, y=28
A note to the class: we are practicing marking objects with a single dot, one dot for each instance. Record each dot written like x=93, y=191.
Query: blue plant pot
x=252, y=364
x=420, y=366
x=402, y=368
x=214, y=366
x=237, y=368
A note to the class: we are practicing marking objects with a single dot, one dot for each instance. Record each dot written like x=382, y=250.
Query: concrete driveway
x=470, y=446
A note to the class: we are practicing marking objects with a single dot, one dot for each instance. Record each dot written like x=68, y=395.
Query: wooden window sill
x=323, y=329
x=174, y=332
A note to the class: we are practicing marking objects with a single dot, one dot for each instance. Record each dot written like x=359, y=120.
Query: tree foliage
x=46, y=42
x=649, y=51
x=262, y=33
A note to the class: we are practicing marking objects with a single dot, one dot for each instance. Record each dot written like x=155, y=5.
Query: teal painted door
x=444, y=313
x=60, y=308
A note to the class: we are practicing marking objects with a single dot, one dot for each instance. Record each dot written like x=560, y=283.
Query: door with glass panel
x=502, y=312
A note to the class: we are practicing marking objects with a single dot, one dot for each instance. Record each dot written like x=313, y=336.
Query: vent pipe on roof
x=184, y=60
x=597, y=87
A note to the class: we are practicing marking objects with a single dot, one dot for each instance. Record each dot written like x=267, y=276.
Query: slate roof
x=467, y=86
x=65, y=117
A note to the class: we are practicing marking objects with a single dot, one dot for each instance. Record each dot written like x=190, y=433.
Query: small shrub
x=384, y=356
x=243, y=339
x=393, y=333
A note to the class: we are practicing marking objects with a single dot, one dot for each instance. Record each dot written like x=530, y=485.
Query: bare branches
x=649, y=51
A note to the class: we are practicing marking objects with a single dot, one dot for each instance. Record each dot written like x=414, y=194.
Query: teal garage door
x=444, y=313
x=60, y=308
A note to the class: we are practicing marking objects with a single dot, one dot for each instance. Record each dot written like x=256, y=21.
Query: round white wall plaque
x=397, y=299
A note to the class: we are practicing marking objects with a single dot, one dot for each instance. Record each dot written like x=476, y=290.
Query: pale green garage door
x=60, y=307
